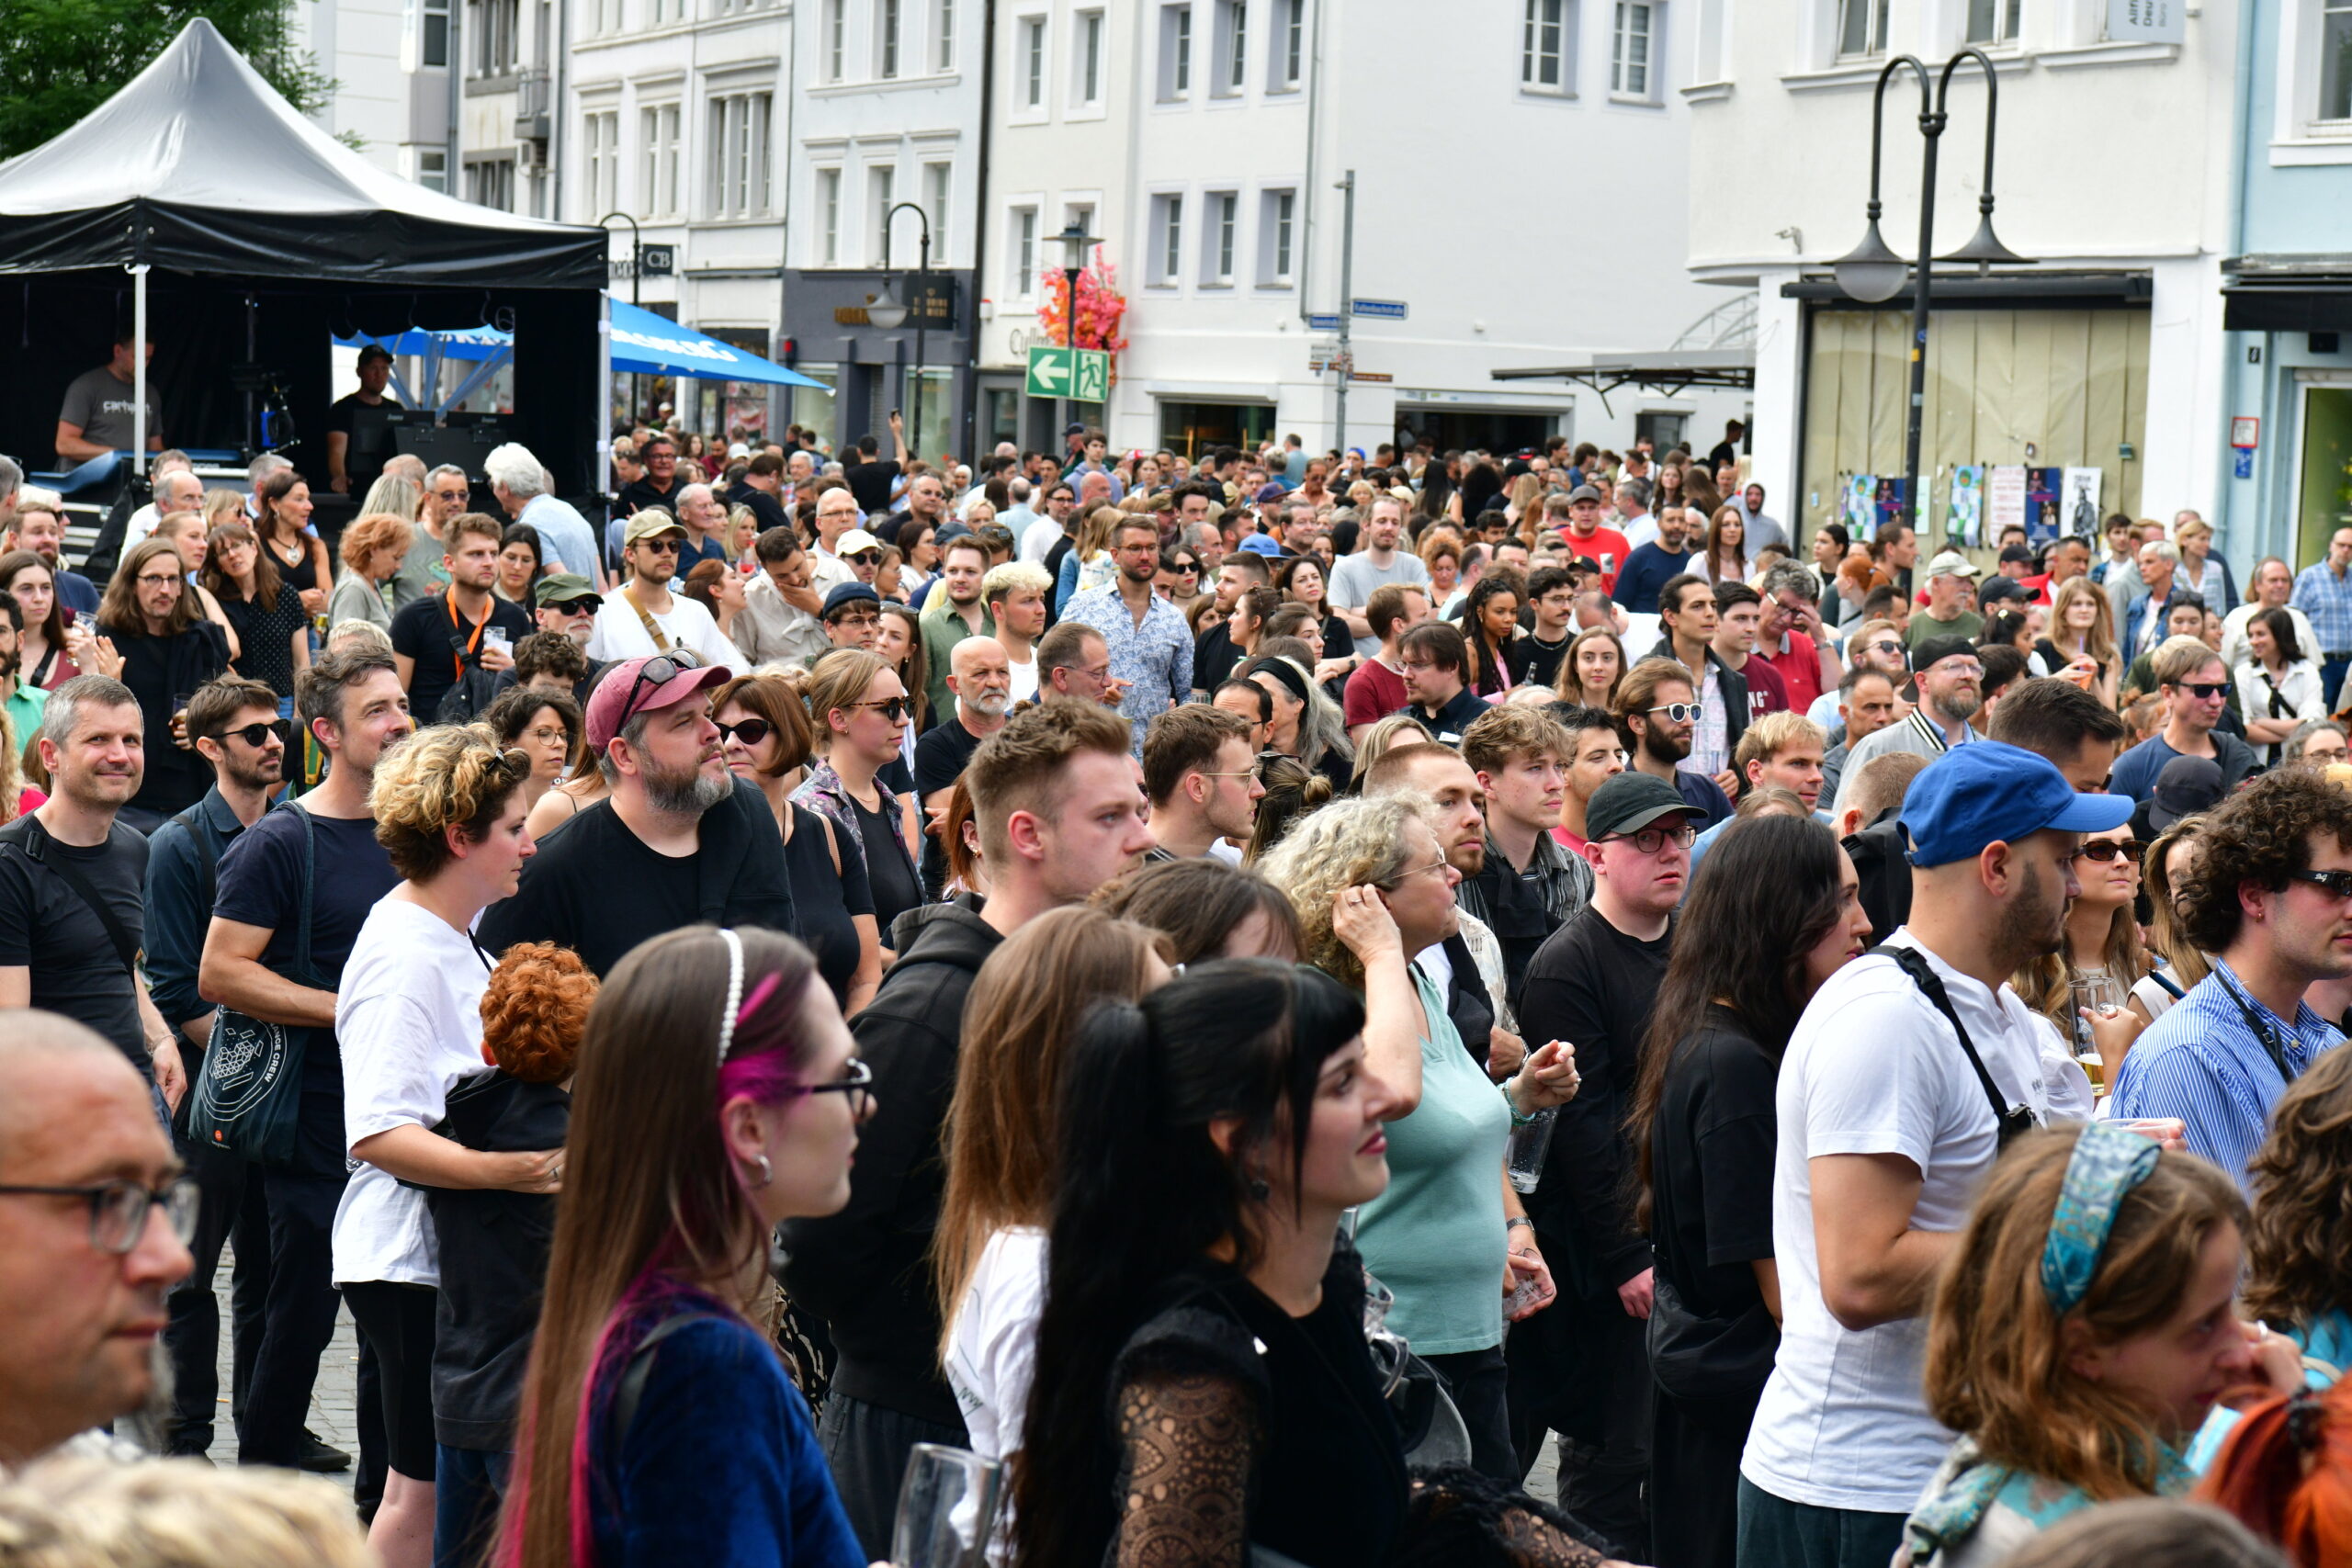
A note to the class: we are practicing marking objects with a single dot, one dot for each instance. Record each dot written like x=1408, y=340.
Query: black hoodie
x=866, y=1271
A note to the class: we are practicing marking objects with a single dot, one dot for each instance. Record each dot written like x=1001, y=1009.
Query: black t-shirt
x=826, y=900
x=369, y=427
x=422, y=630
x=766, y=509
x=643, y=494
x=1711, y=1163
x=48, y=928
x=1535, y=663
x=1214, y=657
x=159, y=670
x=892, y=880
x=597, y=889
x=493, y=1262
x=1595, y=986
x=871, y=482
x=941, y=757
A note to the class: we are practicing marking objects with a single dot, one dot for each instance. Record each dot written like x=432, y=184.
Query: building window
x=938, y=181
x=836, y=40
x=1861, y=27
x=432, y=34
x=1087, y=42
x=1216, y=251
x=1290, y=44
x=1543, y=45
x=602, y=140
x=829, y=210
x=1994, y=21
x=881, y=189
x=603, y=17
x=1167, y=225
x=1629, y=49
x=1175, y=51
x=433, y=168
x=1032, y=54
x=739, y=172
x=943, y=41
x=2335, y=60
x=491, y=184
x=885, y=24
x=1024, y=252
x=657, y=194
x=1277, y=217
x=1233, y=45
x=494, y=24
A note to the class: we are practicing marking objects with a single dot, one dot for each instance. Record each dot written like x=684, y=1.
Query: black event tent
x=262, y=239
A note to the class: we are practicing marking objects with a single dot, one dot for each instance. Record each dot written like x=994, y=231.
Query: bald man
x=980, y=676
x=82, y=1272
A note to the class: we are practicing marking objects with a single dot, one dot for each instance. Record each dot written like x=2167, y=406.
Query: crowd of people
x=1281, y=1000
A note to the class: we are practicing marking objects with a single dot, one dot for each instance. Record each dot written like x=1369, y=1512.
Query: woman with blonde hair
x=1526, y=500
x=742, y=532
x=2166, y=867
x=448, y=809
x=860, y=713
x=2101, y=942
x=373, y=547
x=391, y=495
x=2081, y=1332
x=2081, y=644
x=987, y=1251
x=223, y=506
x=1590, y=670
x=1397, y=730
x=2201, y=571
x=1088, y=565
x=70, y=1511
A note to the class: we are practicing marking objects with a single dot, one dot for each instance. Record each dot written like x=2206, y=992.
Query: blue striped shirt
x=2203, y=1063
x=2327, y=600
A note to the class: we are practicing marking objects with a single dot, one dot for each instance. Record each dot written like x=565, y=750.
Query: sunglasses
x=866, y=557
x=2207, y=690
x=892, y=708
x=750, y=731
x=651, y=676
x=257, y=734
x=1680, y=713
x=2106, y=850
x=660, y=547
x=2335, y=884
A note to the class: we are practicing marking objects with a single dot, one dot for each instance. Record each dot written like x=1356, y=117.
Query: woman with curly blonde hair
x=2082, y=1330
x=2298, y=1252
x=448, y=809
x=74, y=1512
x=493, y=1246
x=2168, y=863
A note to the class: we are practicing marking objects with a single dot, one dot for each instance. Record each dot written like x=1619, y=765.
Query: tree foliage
x=60, y=59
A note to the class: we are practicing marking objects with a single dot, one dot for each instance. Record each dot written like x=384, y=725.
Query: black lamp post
x=636, y=290
x=890, y=313
x=1075, y=242
x=1872, y=274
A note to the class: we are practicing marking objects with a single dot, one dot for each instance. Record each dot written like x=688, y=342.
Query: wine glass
x=947, y=1505
x=2101, y=996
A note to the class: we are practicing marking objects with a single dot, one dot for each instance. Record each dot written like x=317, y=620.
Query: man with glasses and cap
x=679, y=840
x=1951, y=692
x=643, y=617
x=93, y=1217
x=2195, y=688
x=852, y=618
x=565, y=604
x=1947, y=615
x=1909, y=1070
x=837, y=517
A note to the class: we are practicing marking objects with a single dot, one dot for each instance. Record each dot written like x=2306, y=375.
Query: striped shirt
x=2327, y=600
x=2205, y=1062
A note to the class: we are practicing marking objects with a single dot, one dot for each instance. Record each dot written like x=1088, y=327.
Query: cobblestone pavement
x=335, y=1398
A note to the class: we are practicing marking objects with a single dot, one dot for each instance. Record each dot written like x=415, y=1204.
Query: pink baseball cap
x=628, y=690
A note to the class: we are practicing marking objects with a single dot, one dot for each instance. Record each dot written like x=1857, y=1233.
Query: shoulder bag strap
x=28, y=834
x=309, y=878
x=193, y=820
x=1931, y=986
x=631, y=1393
x=652, y=628
x=461, y=648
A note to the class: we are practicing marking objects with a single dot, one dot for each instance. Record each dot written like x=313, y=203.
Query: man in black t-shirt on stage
x=359, y=430
x=62, y=865
x=1586, y=1375
x=436, y=639
x=352, y=704
x=679, y=840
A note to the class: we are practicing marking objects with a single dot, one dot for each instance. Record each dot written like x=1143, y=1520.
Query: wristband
x=1516, y=1221
x=1516, y=1119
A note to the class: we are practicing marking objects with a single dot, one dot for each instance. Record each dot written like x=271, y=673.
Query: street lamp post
x=888, y=314
x=1075, y=242
x=635, y=292
x=1872, y=274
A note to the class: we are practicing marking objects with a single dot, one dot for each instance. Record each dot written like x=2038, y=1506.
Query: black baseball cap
x=1630, y=801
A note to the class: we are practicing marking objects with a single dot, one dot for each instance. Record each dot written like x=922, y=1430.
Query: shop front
x=918, y=369
x=2290, y=400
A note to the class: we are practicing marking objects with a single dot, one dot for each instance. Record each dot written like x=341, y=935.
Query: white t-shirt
x=620, y=635
x=1024, y=678
x=408, y=1016
x=1874, y=1069
x=992, y=1351
x=1037, y=540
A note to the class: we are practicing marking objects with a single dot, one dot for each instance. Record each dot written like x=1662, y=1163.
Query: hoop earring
x=767, y=1172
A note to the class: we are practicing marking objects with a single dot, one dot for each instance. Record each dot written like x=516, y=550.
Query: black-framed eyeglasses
x=1650, y=840
x=1680, y=712
x=892, y=708
x=856, y=1082
x=150, y=579
x=2207, y=690
x=2106, y=850
x=750, y=731
x=119, y=1209
x=652, y=675
x=2335, y=884
x=257, y=734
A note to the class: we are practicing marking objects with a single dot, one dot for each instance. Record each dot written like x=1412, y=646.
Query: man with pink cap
x=679, y=840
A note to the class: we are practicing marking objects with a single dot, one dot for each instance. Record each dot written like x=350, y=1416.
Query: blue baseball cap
x=1985, y=793
x=1262, y=545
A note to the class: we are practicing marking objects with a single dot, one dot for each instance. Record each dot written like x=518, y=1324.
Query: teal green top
x=1436, y=1236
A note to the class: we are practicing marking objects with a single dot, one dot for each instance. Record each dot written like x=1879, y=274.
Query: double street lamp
x=889, y=313
x=1874, y=273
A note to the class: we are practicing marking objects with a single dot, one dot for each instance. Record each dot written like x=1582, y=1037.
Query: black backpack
x=1882, y=864
x=476, y=687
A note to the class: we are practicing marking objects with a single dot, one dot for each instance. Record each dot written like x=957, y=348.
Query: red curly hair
x=535, y=1010
x=2286, y=1473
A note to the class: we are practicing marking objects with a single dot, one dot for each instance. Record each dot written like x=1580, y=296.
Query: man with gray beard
x=679, y=840
x=981, y=679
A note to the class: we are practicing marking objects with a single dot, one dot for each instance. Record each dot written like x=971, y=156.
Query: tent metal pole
x=138, y=364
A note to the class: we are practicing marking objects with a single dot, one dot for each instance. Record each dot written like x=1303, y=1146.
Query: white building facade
x=1517, y=175
x=390, y=60
x=2113, y=174
x=885, y=139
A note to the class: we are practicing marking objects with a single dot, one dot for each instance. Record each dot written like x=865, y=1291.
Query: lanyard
x=2262, y=1031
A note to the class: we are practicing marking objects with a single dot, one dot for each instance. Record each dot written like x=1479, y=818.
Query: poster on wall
x=1859, y=508
x=2081, y=509
x=1891, y=503
x=2004, y=497
x=1965, y=523
x=2042, y=486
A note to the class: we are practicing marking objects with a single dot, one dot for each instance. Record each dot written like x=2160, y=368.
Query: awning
x=1669, y=371
x=2287, y=294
